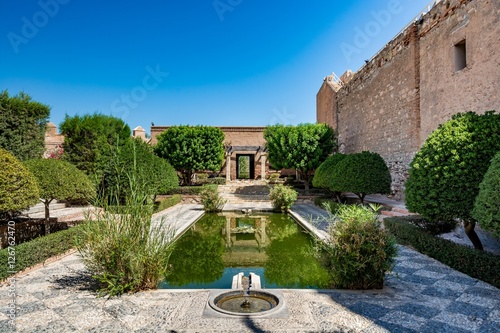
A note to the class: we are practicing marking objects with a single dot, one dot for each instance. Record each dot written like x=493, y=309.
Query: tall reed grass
x=123, y=248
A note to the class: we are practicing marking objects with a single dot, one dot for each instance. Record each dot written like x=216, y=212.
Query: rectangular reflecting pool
x=219, y=246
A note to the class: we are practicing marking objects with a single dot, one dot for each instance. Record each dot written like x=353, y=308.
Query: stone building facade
x=445, y=62
x=53, y=139
x=245, y=146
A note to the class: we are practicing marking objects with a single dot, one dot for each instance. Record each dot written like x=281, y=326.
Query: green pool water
x=219, y=246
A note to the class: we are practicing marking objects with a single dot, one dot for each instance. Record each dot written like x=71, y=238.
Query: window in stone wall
x=460, y=56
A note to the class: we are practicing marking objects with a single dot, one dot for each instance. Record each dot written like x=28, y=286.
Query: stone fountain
x=246, y=298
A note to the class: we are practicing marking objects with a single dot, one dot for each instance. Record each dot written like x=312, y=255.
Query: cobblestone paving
x=423, y=296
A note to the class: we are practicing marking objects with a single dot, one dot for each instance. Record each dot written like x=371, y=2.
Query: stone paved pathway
x=422, y=295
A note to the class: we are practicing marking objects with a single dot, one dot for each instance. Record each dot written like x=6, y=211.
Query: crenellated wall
x=405, y=91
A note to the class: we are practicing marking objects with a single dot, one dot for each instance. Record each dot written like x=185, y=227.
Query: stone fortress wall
x=445, y=62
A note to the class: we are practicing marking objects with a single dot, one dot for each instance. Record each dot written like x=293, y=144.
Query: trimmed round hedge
x=362, y=173
x=322, y=176
x=445, y=174
x=487, y=206
x=61, y=180
x=18, y=186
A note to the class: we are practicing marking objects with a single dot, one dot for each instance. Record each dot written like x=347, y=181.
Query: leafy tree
x=362, y=173
x=303, y=147
x=90, y=139
x=59, y=180
x=18, y=187
x=136, y=159
x=445, y=174
x=487, y=205
x=192, y=148
x=323, y=174
x=22, y=123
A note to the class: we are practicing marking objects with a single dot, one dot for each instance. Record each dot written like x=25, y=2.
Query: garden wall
x=412, y=85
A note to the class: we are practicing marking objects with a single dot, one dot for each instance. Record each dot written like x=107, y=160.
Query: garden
x=453, y=179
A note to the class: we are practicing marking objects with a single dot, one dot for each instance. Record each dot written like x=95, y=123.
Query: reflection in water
x=219, y=246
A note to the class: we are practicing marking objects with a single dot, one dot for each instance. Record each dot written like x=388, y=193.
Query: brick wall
x=233, y=136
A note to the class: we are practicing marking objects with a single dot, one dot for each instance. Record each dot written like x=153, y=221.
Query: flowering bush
x=54, y=153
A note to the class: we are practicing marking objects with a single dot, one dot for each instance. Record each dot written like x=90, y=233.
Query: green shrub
x=126, y=251
x=217, y=181
x=89, y=140
x=329, y=205
x=59, y=180
x=168, y=202
x=190, y=190
x=136, y=158
x=323, y=174
x=275, y=175
x=481, y=265
x=211, y=200
x=359, y=252
x=434, y=228
x=363, y=173
x=18, y=187
x=487, y=206
x=274, y=178
x=445, y=174
x=23, y=123
x=38, y=250
x=282, y=197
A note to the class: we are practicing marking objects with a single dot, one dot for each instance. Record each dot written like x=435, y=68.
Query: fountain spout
x=246, y=283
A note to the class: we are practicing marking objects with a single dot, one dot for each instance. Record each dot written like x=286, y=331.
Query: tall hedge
x=362, y=173
x=136, y=159
x=23, y=124
x=487, y=205
x=90, y=139
x=445, y=174
x=18, y=187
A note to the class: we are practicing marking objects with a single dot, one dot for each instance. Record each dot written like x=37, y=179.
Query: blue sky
x=222, y=62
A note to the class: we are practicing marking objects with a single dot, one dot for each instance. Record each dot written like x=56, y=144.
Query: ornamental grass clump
x=358, y=252
x=126, y=251
x=211, y=200
x=282, y=197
